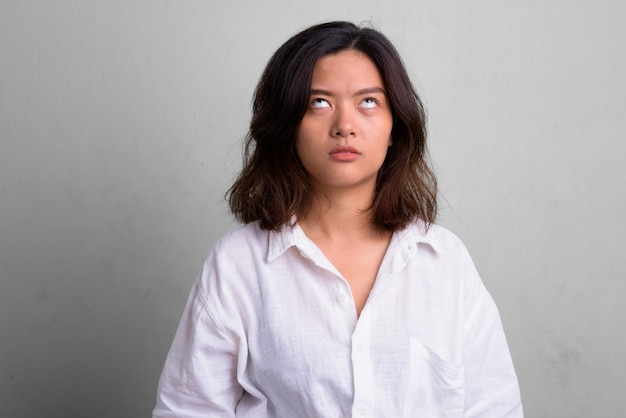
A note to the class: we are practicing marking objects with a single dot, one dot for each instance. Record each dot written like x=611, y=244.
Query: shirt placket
x=363, y=405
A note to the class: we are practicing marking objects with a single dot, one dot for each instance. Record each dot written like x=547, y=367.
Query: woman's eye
x=369, y=103
x=320, y=103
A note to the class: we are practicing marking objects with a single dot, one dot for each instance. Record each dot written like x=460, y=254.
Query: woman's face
x=343, y=137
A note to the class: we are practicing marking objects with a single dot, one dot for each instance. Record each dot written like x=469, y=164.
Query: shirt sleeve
x=199, y=378
x=491, y=387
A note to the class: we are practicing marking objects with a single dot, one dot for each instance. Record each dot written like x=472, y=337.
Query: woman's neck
x=339, y=217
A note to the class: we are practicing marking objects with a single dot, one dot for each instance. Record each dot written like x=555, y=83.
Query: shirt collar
x=292, y=235
x=280, y=241
x=421, y=232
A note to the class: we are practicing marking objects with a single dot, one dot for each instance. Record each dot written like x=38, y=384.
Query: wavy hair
x=273, y=186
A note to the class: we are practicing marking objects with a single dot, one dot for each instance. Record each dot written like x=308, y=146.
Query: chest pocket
x=436, y=388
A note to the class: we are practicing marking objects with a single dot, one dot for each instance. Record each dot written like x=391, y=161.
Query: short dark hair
x=273, y=186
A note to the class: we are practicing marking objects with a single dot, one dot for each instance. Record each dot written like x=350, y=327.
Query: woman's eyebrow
x=321, y=92
x=367, y=90
x=370, y=90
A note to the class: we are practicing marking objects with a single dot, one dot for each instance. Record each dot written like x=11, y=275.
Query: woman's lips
x=344, y=153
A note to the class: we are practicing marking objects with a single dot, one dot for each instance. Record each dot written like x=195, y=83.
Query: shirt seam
x=203, y=298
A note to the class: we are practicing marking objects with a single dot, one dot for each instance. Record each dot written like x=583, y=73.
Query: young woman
x=339, y=296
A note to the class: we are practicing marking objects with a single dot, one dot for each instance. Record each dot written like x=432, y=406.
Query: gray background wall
x=120, y=128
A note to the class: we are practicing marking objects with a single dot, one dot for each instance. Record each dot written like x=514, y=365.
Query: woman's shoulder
x=438, y=236
x=447, y=252
x=235, y=254
x=243, y=236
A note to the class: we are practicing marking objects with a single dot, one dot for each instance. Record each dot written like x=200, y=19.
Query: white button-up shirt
x=270, y=330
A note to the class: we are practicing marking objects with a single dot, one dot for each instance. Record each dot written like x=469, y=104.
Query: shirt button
x=363, y=409
x=341, y=297
x=360, y=348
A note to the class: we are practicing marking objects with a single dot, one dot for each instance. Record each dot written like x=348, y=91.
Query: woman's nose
x=344, y=122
